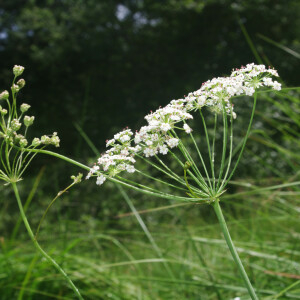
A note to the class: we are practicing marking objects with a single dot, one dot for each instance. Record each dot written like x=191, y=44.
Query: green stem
x=160, y=181
x=213, y=151
x=49, y=206
x=232, y=249
x=36, y=244
x=187, y=184
x=205, y=191
x=208, y=148
x=188, y=157
x=76, y=163
x=225, y=134
x=244, y=142
x=202, y=161
x=228, y=161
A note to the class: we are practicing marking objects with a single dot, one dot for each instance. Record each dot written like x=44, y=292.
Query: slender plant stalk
x=208, y=148
x=232, y=249
x=244, y=142
x=201, y=158
x=36, y=244
x=147, y=192
x=225, y=134
x=189, y=158
x=213, y=151
x=228, y=161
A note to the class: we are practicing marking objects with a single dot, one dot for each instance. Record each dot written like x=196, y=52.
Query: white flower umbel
x=158, y=137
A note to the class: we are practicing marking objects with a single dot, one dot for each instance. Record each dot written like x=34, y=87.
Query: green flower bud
x=77, y=178
x=36, y=142
x=55, y=139
x=18, y=137
x=15, y=125
x=15, y=88
x=46, y=140
x=28, y=120
x=4, y=95
x=3, y=111
x=21, y=83
x=24, y=107
x=9, y=131
x=187, y=165
x=18, y=70
x=23, y=143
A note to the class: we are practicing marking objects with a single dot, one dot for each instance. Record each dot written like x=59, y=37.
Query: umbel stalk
x=236, y=258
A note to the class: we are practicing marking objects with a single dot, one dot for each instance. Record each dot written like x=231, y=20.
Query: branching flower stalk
x=16, y=153
x=193, y=179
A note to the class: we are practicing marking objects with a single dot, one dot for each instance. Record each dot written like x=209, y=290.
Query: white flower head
x=100, y=180
x=110, y=142
x=165, y=127
x=173, y=142
x=163, y=149
x=130, y=168
x=187, y=128
x=155, y=138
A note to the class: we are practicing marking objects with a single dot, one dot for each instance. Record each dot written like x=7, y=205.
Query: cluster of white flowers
x=157, y=138
x=119, y=157
x=217, y=92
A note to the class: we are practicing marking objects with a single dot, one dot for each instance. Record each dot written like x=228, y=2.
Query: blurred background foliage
x=102, y=66
x=105, y=64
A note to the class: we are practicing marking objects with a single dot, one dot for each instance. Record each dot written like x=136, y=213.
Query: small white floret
x=100, y=180
x=187, y=128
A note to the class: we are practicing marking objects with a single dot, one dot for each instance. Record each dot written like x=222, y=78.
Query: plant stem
x=232, y=249
x=36, y=244
x=244, y=142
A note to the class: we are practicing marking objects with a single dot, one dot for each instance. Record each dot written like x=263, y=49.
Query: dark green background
x=105, y=64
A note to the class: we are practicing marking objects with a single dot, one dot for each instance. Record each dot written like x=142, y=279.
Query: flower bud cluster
x=77, y=179
x=15, y=124
x=4, y=95
x=3, y=111
x=24, y=107
x=47, y=140
x=21, y=83
x=156, y=137
x=15, y=88
x=12, y=123
x=28, y=121
x=18, y=70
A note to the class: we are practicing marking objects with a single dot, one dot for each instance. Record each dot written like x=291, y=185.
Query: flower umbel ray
x=159, y=137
